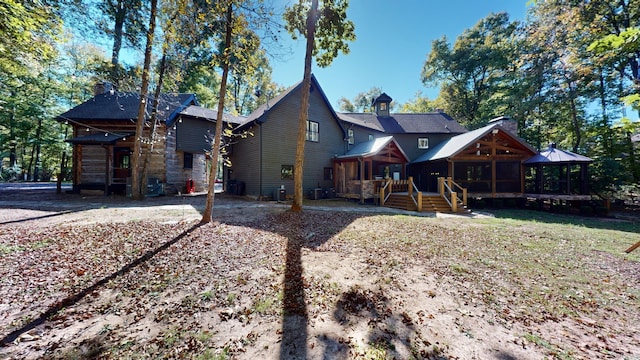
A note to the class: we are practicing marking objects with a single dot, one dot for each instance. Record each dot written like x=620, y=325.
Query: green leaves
x=333, y=29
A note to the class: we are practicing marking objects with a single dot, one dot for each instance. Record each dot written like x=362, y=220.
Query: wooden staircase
x=430, y=203
x=427, y=202
x=400, y=201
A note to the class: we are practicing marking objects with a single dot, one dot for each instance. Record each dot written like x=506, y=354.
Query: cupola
x=381, y=105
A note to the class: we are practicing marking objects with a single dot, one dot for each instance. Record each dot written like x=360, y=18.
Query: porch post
x=361, y=161
x=107, y=150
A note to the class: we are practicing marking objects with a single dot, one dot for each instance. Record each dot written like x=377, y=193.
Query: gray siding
x=245, y=161
x=278, y=134
x=191, y=135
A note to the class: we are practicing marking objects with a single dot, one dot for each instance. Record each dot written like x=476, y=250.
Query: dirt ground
x=107, y=277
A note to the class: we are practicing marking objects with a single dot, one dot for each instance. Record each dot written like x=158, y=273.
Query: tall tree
x=469, y=71
x=327, y=31
x=207, y=215
x=137, y=186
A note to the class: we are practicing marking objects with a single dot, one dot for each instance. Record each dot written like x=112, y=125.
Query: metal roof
x=372, y=147
x=458, y=143
x=557, y=156
x=211, y=115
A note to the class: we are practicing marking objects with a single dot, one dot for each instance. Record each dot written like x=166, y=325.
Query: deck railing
x=446, y=187
x=401, y=186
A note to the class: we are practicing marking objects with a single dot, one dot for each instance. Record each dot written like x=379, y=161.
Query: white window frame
x=423, y=143
x=351, y=137
x=313, y=131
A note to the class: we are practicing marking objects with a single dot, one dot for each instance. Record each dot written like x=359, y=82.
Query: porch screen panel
x=475, y=176
x=508, y=176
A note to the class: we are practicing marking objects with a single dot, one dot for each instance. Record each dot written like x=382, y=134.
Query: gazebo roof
x=554, y=155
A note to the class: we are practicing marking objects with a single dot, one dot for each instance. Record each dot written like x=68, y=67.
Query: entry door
x=434, y=171
x=121, y=163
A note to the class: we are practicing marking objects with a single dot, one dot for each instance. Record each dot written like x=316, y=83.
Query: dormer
x=381, y=105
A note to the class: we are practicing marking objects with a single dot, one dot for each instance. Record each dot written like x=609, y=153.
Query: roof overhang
x=100, y=138
x=384, y=149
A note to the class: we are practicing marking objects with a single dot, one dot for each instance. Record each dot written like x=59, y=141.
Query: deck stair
x=400, y=201
x=431, y=202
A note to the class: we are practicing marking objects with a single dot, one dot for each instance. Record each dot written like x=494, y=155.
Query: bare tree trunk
x=304, y=109
x=136, y=182
x=207, y=216
x=154, y=113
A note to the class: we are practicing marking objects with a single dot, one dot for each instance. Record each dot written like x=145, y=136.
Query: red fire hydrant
x=190, y=186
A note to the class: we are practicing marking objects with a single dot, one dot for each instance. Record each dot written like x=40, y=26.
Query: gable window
x=423, y=143
x=313, y=131
x=383, y=106
x=188, y=160
x=286, y=172
x=370, y=137
x=351, y=137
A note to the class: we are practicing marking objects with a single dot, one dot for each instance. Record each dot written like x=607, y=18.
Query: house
x=264, y=162
x=103, y=139
x=364, y=156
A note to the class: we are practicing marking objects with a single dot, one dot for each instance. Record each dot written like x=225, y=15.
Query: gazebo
x=557, y=174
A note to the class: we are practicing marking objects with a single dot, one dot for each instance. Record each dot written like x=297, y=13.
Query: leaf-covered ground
x=263, y=283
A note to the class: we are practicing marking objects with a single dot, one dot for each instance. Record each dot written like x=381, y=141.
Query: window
x=370, y=137
x=383, y=106
x=286, y=172
x=351, y=137
x=188, y=160
x=328, y=174
x=423, y=143
x=313, y=131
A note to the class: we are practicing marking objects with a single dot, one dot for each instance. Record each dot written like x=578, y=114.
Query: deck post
x=419, y=200
x=441, y=186
x=464, y=196
x=382, y=195
x=454, y=201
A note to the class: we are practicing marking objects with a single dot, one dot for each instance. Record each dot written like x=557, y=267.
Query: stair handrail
x=445, y=190
x=464, y=191
x=416, y=201
x=384, y=195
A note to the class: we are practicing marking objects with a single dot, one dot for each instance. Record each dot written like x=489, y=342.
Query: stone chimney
x=103, y=87
x=506, y=123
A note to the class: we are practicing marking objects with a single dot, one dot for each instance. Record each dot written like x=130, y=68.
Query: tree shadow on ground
x=354, y=305
x=75, y=298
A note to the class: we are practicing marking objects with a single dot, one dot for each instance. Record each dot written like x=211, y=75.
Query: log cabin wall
x=176, y=173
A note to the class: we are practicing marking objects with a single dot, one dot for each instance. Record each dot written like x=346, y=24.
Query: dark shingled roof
x=424, y=123
x=100, y=138
x=121, y=106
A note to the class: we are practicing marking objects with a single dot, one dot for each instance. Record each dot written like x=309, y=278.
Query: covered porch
x=363, y=171
x=102, y=161
x=557, y=174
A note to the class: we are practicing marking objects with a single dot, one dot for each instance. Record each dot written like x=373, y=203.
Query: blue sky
x=393, y=39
